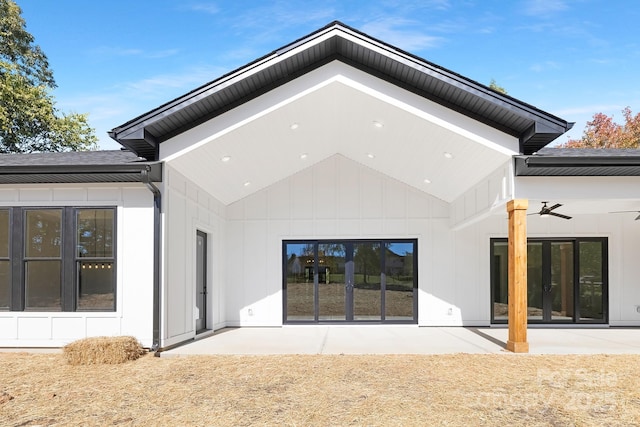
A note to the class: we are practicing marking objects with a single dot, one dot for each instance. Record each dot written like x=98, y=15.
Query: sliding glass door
x=350, y=281
x=566, y=280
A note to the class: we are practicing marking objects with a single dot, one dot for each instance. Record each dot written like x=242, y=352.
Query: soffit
x=338, y=117
x=534, y=128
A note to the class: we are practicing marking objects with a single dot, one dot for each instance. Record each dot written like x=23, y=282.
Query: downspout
x=157, y=210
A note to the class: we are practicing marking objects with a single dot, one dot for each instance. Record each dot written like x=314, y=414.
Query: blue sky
x=118, y=59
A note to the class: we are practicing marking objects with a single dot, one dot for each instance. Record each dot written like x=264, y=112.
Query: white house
x=335, y=180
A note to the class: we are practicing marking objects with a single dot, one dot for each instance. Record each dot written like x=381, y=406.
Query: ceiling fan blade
x=556, y=206
x=625, y=211
x=559, y=215
x=638, y=218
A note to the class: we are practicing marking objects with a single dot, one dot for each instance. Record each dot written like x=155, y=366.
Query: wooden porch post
x=517, y=341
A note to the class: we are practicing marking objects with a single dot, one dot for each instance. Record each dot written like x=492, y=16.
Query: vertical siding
x=134, y=282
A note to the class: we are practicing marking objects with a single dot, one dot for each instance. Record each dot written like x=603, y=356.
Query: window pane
x=5, y=283
x=95, y=233
x=500, y=278
x=591, y=281
x=299, y=281
x=95, y=286
x=43, y=238
x=4, y=233
x=367, y=288
x=562, y=280
x=535, y=285
x=42, y=285
x=400, y=281
x=331, y=281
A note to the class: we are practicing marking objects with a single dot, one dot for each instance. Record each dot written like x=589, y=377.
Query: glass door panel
x=332, y=291
x=367, y=281
x=562, y=289
x=399, y=281
x=535, y=282
x=500, y=280
x=300, y=281
x=592, y=290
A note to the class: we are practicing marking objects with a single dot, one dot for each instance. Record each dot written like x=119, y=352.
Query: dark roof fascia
x=59, y=174
x=545, y=128
x=577, y=165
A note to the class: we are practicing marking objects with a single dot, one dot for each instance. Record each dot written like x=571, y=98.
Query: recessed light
x=303, y=156
x=248, y=183
x=225, y=158
x=427, y=181
x=294, y=126
x=378, y=124
x=371, y=156
x=448, y=155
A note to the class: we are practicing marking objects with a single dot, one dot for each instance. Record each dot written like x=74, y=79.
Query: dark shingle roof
x=533, y=127
x=107, y=157
x=76, y=167
x=579, y=162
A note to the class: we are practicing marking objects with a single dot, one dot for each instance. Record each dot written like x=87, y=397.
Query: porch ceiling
x=387, y=129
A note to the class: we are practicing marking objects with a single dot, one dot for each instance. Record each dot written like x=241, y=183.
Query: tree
x=493, y=85
x=29, y=119
x=603, y=132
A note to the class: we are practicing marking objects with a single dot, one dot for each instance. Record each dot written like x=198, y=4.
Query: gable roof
x=76, y=167
x=533, y=127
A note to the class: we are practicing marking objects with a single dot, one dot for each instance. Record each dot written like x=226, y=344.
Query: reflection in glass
x=500, y=277
x=42, y=285
x=535, y=310
x=367, y=295
x=399, y=276
x=300, y=271
x=5, y=278
x=562, y=280
x=95, y=286
x=4, y=233
x=331, y=281
x=95, y=233
x=5, y=283
x=43, y=239
x=591, y=281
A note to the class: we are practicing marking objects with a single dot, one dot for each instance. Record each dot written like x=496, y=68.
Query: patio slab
x=406, y=340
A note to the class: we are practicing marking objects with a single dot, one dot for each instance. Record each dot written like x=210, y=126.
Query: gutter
x=157, y=210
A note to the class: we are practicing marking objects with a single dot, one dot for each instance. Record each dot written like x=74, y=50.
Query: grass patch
x=459, y=389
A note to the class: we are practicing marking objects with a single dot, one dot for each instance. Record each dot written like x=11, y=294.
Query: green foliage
x=29, y=119
x=493, y=85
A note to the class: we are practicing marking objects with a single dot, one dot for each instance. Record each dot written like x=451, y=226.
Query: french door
x=350, y=281
x=566, y=280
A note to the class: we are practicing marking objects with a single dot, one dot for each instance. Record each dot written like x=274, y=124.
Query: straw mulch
x=101, y=350
x=323, y=390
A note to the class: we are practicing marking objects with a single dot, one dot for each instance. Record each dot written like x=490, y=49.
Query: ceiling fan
x=637, y=218
x=546, y=211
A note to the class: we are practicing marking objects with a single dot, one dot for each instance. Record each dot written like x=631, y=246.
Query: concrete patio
x=406, y=340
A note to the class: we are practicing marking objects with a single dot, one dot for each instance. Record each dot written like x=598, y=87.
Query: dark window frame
x=576, y=279
x=316, y=243
x=69, y=259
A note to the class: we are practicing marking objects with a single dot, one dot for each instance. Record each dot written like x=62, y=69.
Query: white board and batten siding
x=187, y=208
x=134, y=264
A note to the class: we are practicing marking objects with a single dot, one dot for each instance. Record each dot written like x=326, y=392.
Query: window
x=57, y=259
x=566, y=280
x=373, y=281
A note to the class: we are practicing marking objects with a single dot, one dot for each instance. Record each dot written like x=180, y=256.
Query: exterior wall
x=187, y=208
x=134, y=283
x=336, y=198
x=472, y=244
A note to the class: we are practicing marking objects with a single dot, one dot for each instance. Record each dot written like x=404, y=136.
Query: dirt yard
x=323, y=390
